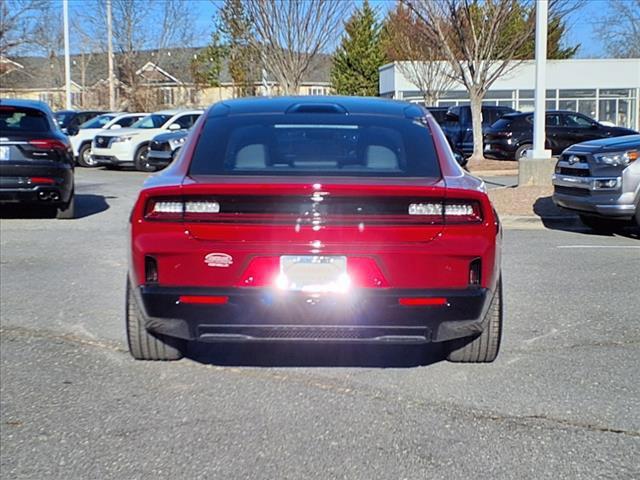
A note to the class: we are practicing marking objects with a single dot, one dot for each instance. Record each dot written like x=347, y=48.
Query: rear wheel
x=522, y=150
x=84, y=156
x=483, y=348
x=68, y=211
x=142, y=344
x=141, y=160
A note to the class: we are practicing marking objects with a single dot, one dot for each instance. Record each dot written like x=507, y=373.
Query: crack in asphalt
x=333, y=386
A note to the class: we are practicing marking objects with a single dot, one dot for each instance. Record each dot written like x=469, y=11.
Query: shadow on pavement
x=555, y=218
x=314, y=355
x=86, y=205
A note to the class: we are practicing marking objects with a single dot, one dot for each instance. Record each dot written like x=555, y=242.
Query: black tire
x=485, y=347
x=84, y=157
x=142, y=344
x=522, y=150
x=601, y=225
x=140, y=160
x=68, y=212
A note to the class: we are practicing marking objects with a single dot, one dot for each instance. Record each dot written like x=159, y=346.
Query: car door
x=555, y=132
x=580, y=128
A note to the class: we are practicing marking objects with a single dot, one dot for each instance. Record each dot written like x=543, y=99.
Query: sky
x=580, y=23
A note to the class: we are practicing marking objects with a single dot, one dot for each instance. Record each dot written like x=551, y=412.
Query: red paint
x=422, y=302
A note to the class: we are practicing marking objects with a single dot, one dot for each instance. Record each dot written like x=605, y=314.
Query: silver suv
x=600, y=180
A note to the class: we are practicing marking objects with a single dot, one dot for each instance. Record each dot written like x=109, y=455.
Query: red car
x=327, y=219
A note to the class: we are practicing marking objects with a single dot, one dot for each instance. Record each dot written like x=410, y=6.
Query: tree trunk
x=476, y=121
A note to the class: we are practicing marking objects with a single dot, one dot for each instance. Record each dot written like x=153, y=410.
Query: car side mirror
x=593, y=126
x=452, y=117
x=175, y=126
x=115, y=126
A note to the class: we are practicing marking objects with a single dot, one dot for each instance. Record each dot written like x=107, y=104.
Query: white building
x=604, y=89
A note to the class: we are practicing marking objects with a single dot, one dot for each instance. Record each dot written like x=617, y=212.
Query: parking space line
x=599, y=246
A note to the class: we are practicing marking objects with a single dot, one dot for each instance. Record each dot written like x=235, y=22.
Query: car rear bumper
x=36, y=184
x=159, y=158
x=367, y=315
x=499, y=149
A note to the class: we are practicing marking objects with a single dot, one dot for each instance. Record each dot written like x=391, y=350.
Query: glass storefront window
x=550, y=105
x=567, y=105
x=584, y=93
x=499, y=94
x=607, y=111
x=619, y=92
x=526, y=105
x=587, y=107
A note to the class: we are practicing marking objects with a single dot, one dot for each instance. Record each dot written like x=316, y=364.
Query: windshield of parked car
x=315, y=144
x=98, y=122
x=151, y=121
x=64, y=118
x=14, y=120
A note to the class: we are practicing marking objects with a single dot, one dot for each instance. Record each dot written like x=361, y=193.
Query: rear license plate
x=4, y=153
x=313, y=273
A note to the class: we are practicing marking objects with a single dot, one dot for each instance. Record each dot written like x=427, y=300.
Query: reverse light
x=425, y=209
x=341, y=285
x=169, y=209
x=452, y=211
x=202, y=207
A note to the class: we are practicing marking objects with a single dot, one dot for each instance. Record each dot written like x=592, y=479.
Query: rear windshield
x=501, y=124
x=315, y=144
x=22, y=120
x=98, y=122
x=151, y=121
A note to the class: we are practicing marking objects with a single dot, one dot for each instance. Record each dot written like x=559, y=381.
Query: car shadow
x=314, y=355
x=555, y=218
x=86, y=205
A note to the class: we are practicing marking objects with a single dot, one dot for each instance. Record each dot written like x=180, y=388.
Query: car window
x=97, y=122
x=63, y=118
x=151, y=121
x=574, y=120
x=552, y=120
x=126, y=121
x=281, y=144
x=14, y=119
x=186, y=121
x=489, y=115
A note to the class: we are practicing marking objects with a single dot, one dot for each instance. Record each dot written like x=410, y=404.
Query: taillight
x=194, y=209
x=450, y=211
x=49, y=144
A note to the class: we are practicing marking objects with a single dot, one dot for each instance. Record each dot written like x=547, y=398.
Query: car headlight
x=176, y=143
x=617, y=158
x=122, y=139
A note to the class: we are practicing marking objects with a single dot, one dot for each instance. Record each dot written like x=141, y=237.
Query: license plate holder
x=313, y=273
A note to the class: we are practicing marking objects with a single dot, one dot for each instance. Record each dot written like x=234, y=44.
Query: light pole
x=112, y=90
x=542, y=8
x=67, y=58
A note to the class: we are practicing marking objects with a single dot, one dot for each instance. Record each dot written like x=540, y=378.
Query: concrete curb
x=533, y=222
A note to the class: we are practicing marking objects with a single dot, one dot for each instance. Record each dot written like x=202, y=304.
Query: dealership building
x=605, y=89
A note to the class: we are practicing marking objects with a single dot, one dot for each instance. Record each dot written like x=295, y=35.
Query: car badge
x=574, y=159
x=218, y=260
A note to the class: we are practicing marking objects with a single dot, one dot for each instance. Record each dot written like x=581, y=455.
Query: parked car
x=600, y=180
x=512, y=135
x=81, y=141
x=336, y=219
x=69, y=121
x=130, y=146
x=36, y=162
x=458, y=128
x=164, y=148
x=439, y=113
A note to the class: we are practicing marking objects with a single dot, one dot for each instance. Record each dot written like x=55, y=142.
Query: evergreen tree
x=355, y=64
x=206, y=67
x=235, y=26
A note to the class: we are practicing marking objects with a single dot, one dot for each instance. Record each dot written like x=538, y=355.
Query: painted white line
x=599, y=246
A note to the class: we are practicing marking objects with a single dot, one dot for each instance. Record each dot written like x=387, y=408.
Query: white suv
x=129, y=146
x=81, y=141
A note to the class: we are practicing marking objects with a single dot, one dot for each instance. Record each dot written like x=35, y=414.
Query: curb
x=531, y=222
x=495, y=173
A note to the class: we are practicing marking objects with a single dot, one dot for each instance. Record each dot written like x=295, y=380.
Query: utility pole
x=112, y=90
x=67, y=58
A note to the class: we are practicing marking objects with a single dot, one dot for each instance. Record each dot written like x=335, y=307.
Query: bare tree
x=19, y=21
x=479, y=42
x=620, y=29
x=419, y=61
x=290, y=33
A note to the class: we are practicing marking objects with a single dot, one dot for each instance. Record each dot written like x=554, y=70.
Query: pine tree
x=235, y=26
x=355, y=64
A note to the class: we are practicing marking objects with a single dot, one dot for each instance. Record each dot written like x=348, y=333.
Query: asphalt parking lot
x=561, y=401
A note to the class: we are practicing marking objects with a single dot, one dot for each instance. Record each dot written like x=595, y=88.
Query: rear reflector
x=42, y=180
x=422, y=301
x=203, y=300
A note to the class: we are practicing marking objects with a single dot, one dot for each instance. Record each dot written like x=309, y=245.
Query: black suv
x=70, y=120
x=512, y=135
x=36, y=160
x=458, y=129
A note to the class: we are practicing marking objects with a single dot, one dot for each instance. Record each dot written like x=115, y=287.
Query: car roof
x=623, y=142
x=547, y=112
x=17, y=102
x=175, y=111
x=353, y=105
